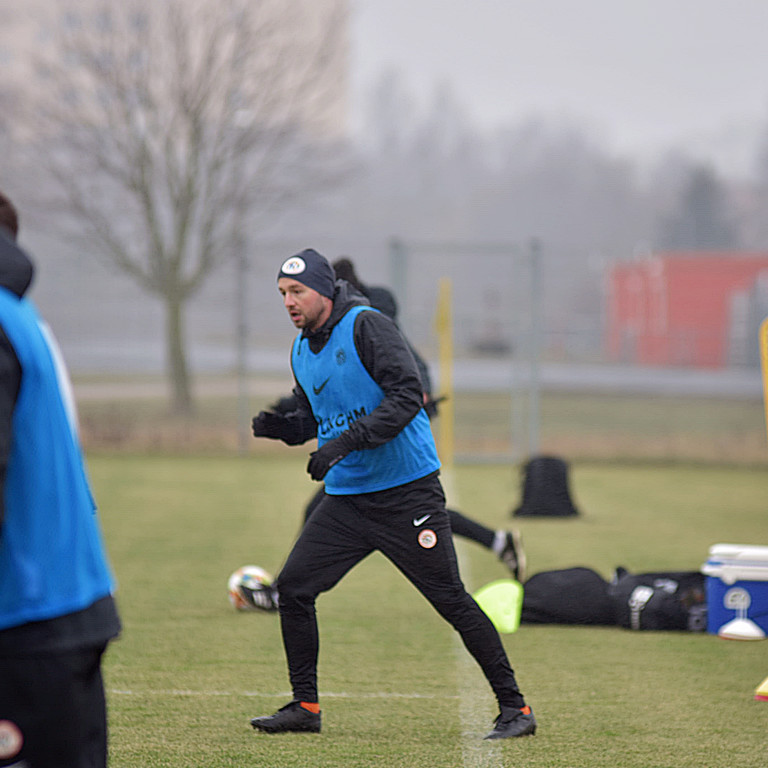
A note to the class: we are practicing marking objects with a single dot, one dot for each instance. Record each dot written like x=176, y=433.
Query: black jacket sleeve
x=295, y=418
x=388, y=359
x=301, y=417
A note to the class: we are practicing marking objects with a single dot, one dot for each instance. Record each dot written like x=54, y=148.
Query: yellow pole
x=444, y=327
x=763, y=337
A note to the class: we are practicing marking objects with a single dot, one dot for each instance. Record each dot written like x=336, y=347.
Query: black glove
x=287, y=404
x=430, y=406
x=332, y=452
x=269, y=424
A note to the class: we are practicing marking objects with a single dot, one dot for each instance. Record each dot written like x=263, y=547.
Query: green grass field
x=396, y=687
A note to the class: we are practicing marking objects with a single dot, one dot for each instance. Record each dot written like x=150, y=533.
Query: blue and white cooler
x=737, y=591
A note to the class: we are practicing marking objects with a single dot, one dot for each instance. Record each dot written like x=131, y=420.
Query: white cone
x=741, y=629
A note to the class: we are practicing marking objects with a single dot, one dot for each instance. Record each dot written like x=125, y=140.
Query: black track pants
x=343, y=530
x=460, y=525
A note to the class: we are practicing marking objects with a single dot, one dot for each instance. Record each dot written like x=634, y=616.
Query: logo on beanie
x=293, y=266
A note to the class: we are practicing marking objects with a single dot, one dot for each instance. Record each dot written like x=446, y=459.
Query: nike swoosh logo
x=419, y=520
x=318, y=390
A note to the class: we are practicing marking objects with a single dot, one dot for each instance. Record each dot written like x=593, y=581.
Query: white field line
x=278, y=694
x=476, y=698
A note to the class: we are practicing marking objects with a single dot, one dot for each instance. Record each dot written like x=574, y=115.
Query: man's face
x=306, y=307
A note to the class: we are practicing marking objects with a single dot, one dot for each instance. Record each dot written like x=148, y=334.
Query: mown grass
x=601, y=426
x=396, y=688
x=577, y=426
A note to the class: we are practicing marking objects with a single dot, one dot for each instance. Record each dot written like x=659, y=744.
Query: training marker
x=761, y=692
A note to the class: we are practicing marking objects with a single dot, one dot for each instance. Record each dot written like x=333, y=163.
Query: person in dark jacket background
x=57, y=612
x=359, y=392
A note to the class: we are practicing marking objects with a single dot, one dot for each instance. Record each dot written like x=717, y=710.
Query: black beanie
x=312, y=269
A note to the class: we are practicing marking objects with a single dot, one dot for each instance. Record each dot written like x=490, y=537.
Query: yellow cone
x=502, y=602
x=761, y=692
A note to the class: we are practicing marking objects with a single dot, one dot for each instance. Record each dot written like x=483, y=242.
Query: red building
x=698, y=309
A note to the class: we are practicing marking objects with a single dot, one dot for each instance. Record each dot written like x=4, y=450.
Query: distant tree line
x=432, y=174
x=178, y=133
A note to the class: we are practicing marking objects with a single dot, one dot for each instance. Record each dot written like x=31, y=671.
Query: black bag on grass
x=546, y=491
x=568, y=596
x=664, y=600
x=669, y=600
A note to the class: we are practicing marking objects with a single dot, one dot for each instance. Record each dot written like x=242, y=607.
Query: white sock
x=499, y=542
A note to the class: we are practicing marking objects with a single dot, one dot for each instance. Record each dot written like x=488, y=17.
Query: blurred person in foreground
x=359, y=392
x=57, y=613
x=506, y=545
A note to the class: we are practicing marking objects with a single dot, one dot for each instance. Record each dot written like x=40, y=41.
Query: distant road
x=494, y=375
x=216, y=366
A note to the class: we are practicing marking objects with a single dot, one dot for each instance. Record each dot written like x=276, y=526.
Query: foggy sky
x=642, y=74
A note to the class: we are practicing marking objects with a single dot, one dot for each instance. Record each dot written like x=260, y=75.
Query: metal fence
x=496, y=311
x=521, y=388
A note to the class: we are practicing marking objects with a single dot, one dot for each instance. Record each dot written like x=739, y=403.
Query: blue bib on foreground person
x=51, y=555
x=340, y=390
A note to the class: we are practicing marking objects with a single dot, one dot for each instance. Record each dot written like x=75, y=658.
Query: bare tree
x=169, y=124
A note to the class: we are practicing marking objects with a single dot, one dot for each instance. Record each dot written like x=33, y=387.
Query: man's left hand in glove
x=328, y=454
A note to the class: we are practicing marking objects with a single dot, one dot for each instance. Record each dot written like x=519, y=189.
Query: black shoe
x=513, y=555
x=513, y=722
x=263, y=598
x=291, y=717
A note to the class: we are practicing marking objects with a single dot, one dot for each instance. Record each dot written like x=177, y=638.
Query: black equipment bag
x=669, y=600
x=568, y=596
x=663, y=600
x=546, y=489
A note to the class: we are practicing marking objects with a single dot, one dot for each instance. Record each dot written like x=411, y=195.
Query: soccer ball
x=250, y=589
